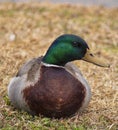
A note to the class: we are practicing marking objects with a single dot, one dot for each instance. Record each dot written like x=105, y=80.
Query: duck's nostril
x=91, y=54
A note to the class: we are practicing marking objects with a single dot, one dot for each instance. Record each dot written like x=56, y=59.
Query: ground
x=27, y=30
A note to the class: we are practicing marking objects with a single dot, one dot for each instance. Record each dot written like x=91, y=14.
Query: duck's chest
x=56, y=91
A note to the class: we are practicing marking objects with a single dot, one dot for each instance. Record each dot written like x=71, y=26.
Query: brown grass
x=33, y=27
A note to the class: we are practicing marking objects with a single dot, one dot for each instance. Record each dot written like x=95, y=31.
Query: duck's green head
x=67, y=48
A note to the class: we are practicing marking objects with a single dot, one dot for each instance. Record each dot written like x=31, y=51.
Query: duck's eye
x=76, y=44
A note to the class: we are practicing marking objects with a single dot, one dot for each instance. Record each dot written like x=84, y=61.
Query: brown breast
x=56, y=94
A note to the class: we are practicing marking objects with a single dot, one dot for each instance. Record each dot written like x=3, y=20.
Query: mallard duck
x=52, y=86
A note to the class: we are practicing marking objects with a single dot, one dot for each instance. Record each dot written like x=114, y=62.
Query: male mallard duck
x=51, y=86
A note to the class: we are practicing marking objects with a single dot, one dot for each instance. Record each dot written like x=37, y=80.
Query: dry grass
x=27, y=30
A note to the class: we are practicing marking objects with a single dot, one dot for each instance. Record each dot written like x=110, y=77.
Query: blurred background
x=107, y=3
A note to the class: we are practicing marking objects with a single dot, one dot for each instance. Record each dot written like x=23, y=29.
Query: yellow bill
x=89, y=57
